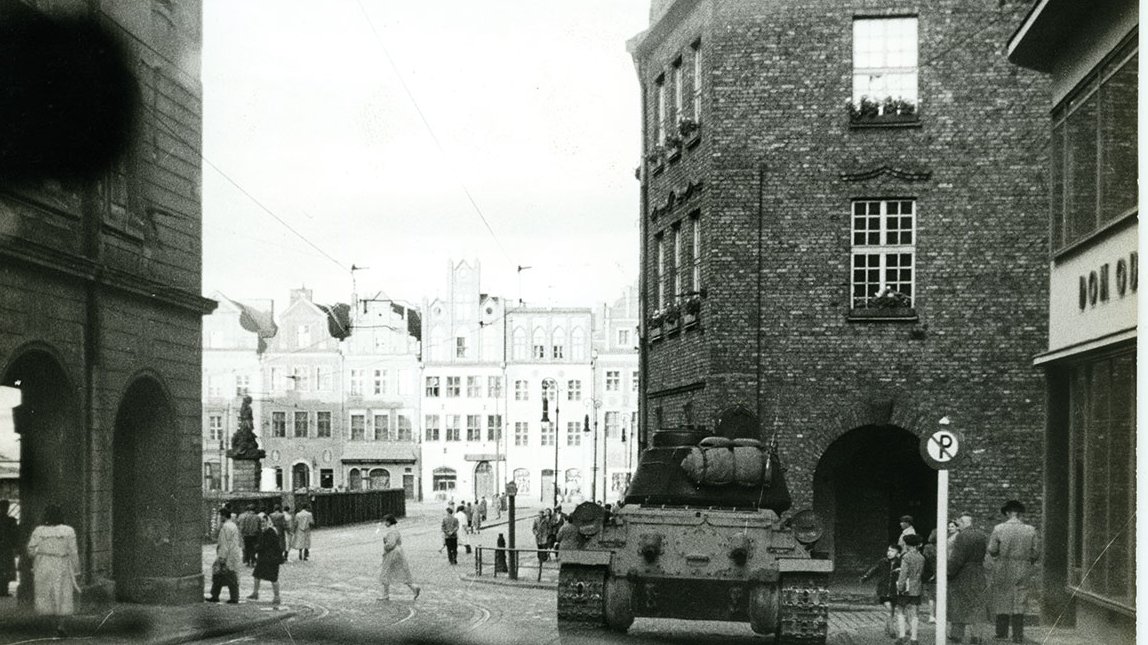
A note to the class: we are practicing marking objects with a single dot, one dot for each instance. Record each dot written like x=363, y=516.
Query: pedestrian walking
x=464, y=534
x=500, y=555
x=304, y=523
x=930, y=575
x=55, y=565
x=289, y=532
x=249, y=527
x=886, y=571
x=279, y=520
x=1014, y=547
x=450, y=528
x=268, y=557
x=469, y=511
x=967, y=581
x=906, y=530
x=541, y=530
x=228, y=555
x=482, y=508
x=394, y=568
x=909, y=589
x=9, y=546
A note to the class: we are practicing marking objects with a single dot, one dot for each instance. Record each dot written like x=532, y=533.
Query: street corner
x=507, y=582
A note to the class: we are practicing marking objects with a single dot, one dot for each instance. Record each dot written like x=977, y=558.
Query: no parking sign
x=943, y=449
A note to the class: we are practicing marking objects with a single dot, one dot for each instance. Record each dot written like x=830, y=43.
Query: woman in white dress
x=395, y=569
x=55, y=565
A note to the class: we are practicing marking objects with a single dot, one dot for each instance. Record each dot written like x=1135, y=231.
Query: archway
x=483, y=480
x=355, y=480
x=380, y=479
x=300, y=476
x=865, y=481
x=48, y=434
x=145, y=526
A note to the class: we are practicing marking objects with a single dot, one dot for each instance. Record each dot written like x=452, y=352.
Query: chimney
x=302, y=293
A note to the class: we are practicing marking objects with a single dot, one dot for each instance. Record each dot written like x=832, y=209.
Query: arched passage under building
x=47, y=429
x=145, y=528
x=865, y=481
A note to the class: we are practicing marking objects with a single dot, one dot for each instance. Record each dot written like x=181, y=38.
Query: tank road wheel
x=804, y=615
x=581, y=594
x=763, y=609
x=619, y=610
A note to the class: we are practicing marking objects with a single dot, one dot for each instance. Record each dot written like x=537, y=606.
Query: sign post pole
x=942, y=450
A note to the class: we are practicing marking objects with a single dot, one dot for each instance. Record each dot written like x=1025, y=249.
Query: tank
x=703, y=533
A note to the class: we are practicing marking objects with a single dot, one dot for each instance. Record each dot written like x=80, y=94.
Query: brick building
x=843, y=234
x=1091, y=53
x=101, y=316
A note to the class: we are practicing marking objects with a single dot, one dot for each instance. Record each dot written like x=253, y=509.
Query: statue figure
x=244, y=444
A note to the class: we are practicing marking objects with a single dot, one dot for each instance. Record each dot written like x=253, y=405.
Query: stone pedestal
x=245, y=475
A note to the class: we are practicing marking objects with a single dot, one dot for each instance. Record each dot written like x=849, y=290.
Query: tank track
x=581, y=594
x=804, y=614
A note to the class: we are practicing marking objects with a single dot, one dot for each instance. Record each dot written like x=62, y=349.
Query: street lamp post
x=546, y=385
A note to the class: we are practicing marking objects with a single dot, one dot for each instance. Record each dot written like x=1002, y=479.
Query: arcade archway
x=865, y=481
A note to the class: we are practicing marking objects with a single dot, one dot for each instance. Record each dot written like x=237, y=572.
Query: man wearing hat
x=1014, y=548
x=906, y=530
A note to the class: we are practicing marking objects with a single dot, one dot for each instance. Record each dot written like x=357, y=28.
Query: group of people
x=461, y=522
x=261, y=541
x=547, y=529
x=988, y=577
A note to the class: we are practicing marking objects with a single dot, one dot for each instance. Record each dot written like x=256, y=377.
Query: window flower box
x=687, y=127
x=887, y=305
x=656, y=155
x=691, y=311
x=891, y=110
x=655, y=325
x=672, y=320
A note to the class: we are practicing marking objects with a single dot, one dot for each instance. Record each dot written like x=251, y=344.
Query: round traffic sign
x=943, y=448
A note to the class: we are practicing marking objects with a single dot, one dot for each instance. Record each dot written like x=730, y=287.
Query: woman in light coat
x=304, y=522
x=394, y=569
x=55, y=565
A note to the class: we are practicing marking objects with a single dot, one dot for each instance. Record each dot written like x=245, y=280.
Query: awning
x=378, y=452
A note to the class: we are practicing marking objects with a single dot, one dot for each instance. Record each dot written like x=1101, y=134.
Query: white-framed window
x=520, y=347
x=547, y=434
x=613, y=380
x=323, y=423
x=242, y=385
x=357, y=382
x=279, y=424
x=521, y=434
x=698, y=80
x=634, y=381
x=453, y=387
x=213, y=387
x=474, y=387
x=431, y=424
x=884, y=249
x=453, y=427
x=573, y=433
x=406, y=433
x=660, y=241
x=382, y=427
x=380, y=382
x=521, y=390
x=494, y=427
x=574, y=390
x=539, y=343
x=612, y=425
x=549, y=390
x=676, y=275
x=696, y=253
x=494, y=387
x=558, y=343
x=302, y=424
x=679, y=92
x=885, y=60
x=215, y=428
x=474, y=427
x=460, y=347
x=303, y=336
x=623, y=337
x=432, y=386
x=660, y=109
x=358, y=427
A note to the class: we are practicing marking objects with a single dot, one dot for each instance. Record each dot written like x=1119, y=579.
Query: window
x=679, y=92
x=698, y=82
x=453, y=387
x=1094, y=155
x=474, y=427
x=883, y=250
x=326, y=478
x=573, y=433
x=215, y=428
x=611, y=423
x=213, y=389
x=432, y=386
x=474, y=386
x=613, y=380
x=494, y=387
x=382, y=427
x=660, y=241
x=660, y=110
x=521, y=433
x=634, y=381
x=405, y=432
x=696, y=253
x=521, y=391
x=299, y=376
x=884, y=66
x=574, y=390
x=494, y=427
x=302, y=424
x=242, y=385
x=676, y=270
x=358, y=427
x=323, y=379
x=522, y=480
x=323, y=423
x=380, y=382
x=539, y=343
x=431, y=423
x=558, y=341
x=278, y=424
x=578, y=344
x=444, y=479
x=548, y=432
x=623, y=337
x=520, y=349
x=453, y=427
x=303, y=336
x=460, y=347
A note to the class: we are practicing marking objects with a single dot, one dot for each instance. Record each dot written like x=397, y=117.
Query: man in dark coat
x=967, y=581
x=450, y=528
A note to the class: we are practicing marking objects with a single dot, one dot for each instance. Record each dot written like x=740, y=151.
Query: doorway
x=300, y=476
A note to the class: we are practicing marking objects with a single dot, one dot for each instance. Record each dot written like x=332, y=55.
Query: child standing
x=886, y=571
x=909, y=589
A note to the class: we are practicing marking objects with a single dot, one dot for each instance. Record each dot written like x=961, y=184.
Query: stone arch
x=50, y=428
x=737, y=422
x=146, y=531
x=300, y=474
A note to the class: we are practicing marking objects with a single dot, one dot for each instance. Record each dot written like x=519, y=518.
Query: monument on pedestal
x=245, y=452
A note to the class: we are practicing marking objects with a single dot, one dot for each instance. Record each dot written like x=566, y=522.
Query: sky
x=399, y=136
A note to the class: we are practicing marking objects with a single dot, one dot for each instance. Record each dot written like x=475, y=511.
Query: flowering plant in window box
x=889, y=303
x=656, y=154
x=672, y=316
x=673, y=144
x=687, y=126
x=888, y=110
x=692, y=308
